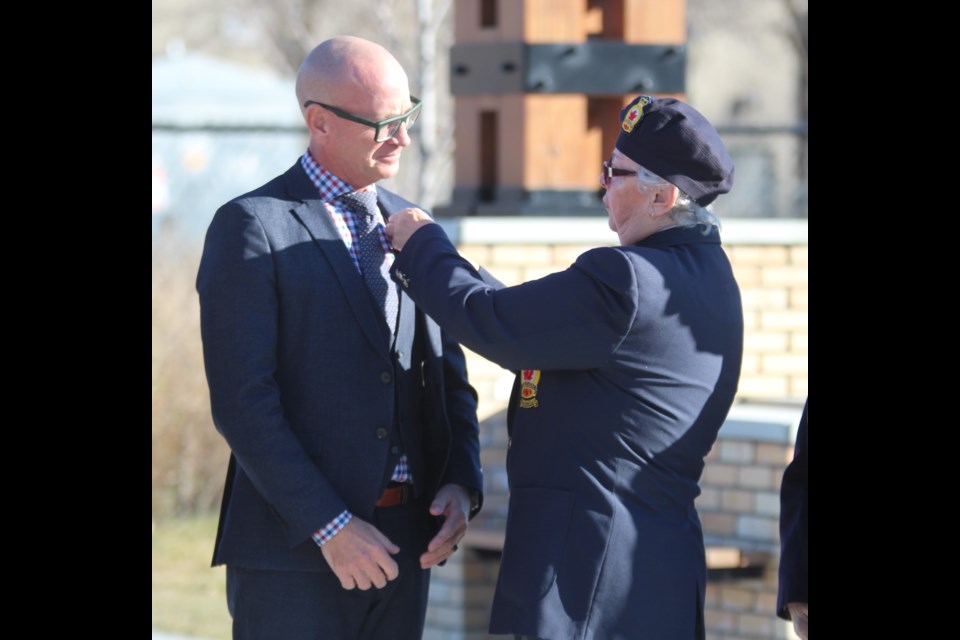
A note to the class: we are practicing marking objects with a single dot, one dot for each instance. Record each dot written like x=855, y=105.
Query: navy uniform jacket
x=303, y=379
x=793, y=525
x=629, y=361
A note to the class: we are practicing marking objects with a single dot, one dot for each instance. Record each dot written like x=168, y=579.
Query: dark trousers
x=308, y=605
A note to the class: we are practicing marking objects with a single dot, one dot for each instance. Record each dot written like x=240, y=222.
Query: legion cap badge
x=634, y=114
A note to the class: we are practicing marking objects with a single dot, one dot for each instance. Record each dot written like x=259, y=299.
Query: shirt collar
x=330, y=186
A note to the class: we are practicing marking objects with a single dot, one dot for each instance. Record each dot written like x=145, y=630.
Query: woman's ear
x=664, y=200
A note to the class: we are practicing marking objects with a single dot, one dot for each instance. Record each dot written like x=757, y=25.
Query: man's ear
x=317, y=120
x=664, y=200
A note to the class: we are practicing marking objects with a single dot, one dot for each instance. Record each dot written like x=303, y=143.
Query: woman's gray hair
x=686, y=212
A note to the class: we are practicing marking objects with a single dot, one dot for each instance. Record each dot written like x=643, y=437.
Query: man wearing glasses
x=628, y=363
x=354, y=462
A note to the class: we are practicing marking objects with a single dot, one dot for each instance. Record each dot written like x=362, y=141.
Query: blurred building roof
x=191, y=89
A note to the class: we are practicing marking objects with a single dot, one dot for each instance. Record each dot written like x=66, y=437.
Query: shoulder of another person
x=610, y=265
x=393, y=201
x=612, y=255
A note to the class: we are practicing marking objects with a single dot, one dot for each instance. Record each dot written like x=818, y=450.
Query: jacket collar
x=309, y=210
x=680, y=235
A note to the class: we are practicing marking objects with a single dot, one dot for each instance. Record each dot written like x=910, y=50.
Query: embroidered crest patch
x=529, y=379
x=634, y=114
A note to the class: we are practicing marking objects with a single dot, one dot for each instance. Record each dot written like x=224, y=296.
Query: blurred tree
x=189, y=458
x=279, y=35
x=436, y=134
x=798, y=10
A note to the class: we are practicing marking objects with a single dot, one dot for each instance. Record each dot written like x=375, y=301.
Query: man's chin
x=388, y=169
x=392, y=160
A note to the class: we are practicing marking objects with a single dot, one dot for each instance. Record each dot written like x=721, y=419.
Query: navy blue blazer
x=629, y=361
x=794, y=538
x=303, y=381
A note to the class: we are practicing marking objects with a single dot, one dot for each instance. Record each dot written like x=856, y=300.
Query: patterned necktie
x=374, y=262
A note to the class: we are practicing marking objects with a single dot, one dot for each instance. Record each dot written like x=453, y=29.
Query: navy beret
x=674, y=141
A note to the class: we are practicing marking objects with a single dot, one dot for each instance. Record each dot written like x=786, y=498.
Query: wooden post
x=538, y=86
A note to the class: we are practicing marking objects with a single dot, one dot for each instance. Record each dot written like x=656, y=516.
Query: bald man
x=354, y=462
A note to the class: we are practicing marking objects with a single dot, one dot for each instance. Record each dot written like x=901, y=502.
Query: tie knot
x=363, y=203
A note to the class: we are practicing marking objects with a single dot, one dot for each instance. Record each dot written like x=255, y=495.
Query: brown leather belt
x=396, y=494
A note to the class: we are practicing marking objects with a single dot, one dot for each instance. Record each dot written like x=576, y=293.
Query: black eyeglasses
x=383, y=130
x=610, y=171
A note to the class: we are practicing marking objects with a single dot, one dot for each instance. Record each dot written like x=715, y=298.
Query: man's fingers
x=450, y=541
x=440, y=506
x=385, y=572
x=451, y=532
x=391, y=548
x=438, y=550
x=361, y=556
x=391, y=570
x=430, y=559
x=376, y=575
x=363, y=582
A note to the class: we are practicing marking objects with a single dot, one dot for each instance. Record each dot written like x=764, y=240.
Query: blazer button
x=395, y=450
x=385, y=377
x=382, y=434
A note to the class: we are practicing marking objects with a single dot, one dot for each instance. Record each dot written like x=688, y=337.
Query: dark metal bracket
x=591, y=68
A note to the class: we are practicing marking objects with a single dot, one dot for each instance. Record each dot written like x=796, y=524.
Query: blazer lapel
x=314, y=216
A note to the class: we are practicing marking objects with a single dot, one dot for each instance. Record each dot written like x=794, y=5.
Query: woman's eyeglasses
x=610, y=171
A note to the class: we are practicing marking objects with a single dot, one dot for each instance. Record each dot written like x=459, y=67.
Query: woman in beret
x=628, y=362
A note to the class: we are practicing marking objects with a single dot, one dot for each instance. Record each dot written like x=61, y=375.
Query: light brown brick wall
x=740, y=506
x=773, y=285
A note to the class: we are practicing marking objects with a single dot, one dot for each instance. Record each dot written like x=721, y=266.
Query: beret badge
x=634, y=114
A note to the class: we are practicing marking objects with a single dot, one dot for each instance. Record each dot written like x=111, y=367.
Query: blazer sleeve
x=573, y=319
x=236, y=283
x=793, y=526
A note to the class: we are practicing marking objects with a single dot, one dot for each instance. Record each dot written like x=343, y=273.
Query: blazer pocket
x=537, y=528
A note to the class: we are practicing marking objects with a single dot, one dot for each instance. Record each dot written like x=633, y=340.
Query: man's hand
x=360, y=556
x=453, y=502
x=798, y=613
x=402, y=224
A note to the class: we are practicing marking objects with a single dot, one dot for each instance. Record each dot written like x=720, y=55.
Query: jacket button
x=385, y=377
x=395, y=450
x=382, y=433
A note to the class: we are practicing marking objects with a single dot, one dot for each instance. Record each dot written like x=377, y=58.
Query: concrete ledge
x=594, y=230
x=742, y=231
x=765, y=423
x=528, y=230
